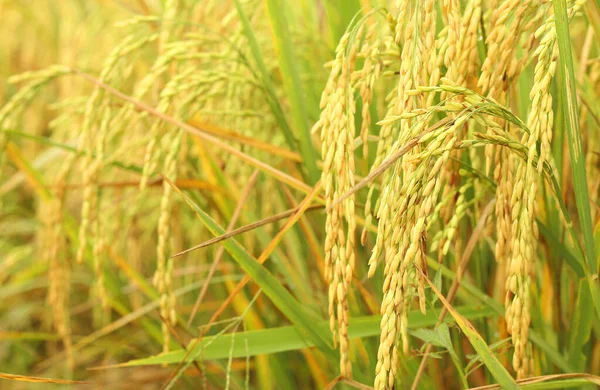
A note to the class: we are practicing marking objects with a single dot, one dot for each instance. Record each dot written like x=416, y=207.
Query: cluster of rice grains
x=193, y=73
x=183, y=89
x=337, y=131
x=447, y=97
x=434, y=83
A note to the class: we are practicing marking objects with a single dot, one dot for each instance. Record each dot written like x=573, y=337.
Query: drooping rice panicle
x=337, y=134
x=524, y=234
x=163, y=277
x=404, y=35
x=369, y=74
x=443, y=110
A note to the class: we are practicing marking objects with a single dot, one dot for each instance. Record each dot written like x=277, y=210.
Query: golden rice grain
x=337, y=134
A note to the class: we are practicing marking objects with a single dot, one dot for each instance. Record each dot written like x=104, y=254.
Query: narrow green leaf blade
x=496, y=368
x=569, y=102
x=280, y=297
x=581, y=327
x=288, y=62
x=287, y=338
x=309, y=160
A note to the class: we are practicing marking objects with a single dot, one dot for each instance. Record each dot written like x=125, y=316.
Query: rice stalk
x=428, y=116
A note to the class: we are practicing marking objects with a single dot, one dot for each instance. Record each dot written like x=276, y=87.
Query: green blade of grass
x=559, y=381
x=581, y=327
x=554, y=355
x=560, y=249
x=280, y=297
x=306, y=149
x=576, y=152
x=339, y=13
x=287, y=338
x=277, y=11
x=573, y=131
x=496, y=368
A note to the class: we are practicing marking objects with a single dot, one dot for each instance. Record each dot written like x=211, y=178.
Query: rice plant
x=314, y=194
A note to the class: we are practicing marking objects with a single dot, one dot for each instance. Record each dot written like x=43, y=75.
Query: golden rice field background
x=282, y=194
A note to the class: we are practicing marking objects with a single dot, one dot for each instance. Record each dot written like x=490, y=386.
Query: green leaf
x=429, y=336
x=339, y=13
x=573, y=131
x=554, y=355
x=561, y=250
x=440, y=337
x=581, y=327
x=287, y=338
x=444, y=335
x=491, y=362
x=308, y=154
x=280, y=297
x=277, y=11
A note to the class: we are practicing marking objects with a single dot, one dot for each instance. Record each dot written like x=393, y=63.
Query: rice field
x=311, y=194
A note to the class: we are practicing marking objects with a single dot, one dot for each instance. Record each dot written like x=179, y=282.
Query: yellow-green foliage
x=404, y=193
